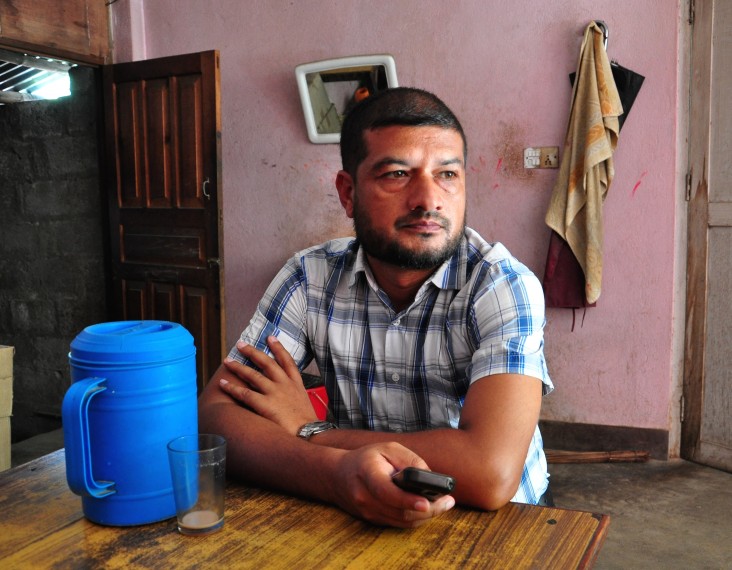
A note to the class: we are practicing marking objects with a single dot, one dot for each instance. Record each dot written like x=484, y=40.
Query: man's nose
x=425, y=193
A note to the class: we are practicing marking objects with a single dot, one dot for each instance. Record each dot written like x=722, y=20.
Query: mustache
x=420, y=215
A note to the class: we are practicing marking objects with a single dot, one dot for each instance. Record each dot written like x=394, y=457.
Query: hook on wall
x=605, y=31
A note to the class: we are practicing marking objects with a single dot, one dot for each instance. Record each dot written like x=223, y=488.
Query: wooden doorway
x=163, y=159
x=706, y=435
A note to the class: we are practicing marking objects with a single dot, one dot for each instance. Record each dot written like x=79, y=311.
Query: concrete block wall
x=52, y=243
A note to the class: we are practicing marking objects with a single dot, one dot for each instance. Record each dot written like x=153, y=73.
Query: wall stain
x=509, y=148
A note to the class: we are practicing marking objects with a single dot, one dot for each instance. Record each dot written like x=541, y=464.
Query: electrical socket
x=541, y=157
x=549, y=157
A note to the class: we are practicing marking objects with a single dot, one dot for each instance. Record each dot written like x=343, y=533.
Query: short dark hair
x=407, y=106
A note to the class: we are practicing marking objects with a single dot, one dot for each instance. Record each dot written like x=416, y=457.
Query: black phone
x=429, y=484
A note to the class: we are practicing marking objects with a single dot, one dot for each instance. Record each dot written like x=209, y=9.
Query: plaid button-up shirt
x=481, y=313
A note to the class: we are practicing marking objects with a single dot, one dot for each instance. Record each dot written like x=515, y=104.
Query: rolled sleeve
x=508, y=323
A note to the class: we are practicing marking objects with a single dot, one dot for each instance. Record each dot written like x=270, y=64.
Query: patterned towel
x=586, y=170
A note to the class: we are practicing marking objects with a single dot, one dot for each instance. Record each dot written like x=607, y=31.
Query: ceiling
x=21, y=75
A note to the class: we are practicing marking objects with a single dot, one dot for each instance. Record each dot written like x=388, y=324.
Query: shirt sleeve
x=508, y=323
x=281, y=312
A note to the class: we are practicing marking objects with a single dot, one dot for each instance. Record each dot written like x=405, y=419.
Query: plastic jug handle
x=75, y=416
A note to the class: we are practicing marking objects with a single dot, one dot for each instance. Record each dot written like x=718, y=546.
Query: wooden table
x=43, y=527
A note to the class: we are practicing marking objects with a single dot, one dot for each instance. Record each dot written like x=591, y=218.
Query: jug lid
x=132, y=341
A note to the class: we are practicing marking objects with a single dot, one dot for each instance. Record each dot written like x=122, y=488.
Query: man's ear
x=346, y=187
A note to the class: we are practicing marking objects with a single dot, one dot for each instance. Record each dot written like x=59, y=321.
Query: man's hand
x=277, y=392
x=365, y=488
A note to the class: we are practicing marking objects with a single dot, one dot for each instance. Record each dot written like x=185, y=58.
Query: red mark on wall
x=632, y=194
x=497, y=171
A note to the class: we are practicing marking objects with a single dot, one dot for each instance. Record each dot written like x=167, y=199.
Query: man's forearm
x=483, y=482
x=262, y=453
x=359, y=481
x=486, y=454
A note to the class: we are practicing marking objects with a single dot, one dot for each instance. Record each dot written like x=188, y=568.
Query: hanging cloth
x=585, y=175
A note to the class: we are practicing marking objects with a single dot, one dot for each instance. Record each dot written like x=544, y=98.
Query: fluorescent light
x=60, y=86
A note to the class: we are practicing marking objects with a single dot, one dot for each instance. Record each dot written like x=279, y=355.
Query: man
x=429, y=340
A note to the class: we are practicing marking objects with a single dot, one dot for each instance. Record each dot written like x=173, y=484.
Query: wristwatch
x=309, y=430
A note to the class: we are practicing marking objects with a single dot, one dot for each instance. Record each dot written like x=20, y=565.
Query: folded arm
x=486, y=454
x=263, y=453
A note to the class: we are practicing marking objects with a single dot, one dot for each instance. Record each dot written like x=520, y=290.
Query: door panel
x=163, y=152
x=715, y=437
x=707, y=418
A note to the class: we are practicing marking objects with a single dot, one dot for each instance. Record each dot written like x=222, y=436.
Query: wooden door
x=163, y=127
x=706, y=435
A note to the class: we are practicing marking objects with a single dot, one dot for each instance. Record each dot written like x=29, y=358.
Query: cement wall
x=52, y=239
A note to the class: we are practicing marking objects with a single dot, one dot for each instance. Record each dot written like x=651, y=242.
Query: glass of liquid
x=198, y=470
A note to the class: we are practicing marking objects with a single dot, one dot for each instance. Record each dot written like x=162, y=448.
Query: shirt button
x=395, y=377
x=396, y=322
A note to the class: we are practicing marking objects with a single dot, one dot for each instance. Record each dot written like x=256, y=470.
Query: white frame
x=301, y=72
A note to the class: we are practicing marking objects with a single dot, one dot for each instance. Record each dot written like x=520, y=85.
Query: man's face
x=408, y=199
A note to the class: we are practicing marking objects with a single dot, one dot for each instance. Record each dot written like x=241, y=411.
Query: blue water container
x=133, y=390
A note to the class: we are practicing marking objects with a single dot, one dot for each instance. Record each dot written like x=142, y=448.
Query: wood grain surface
x=43, y=527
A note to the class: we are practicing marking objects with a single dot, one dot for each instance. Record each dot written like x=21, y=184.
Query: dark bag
x=629, y=84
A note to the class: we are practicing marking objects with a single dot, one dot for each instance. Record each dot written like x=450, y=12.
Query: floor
x=664, y=514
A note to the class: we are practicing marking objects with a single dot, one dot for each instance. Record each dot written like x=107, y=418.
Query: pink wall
x=504, y=72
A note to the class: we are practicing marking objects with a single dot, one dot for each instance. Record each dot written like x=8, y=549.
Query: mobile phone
x=429, y=484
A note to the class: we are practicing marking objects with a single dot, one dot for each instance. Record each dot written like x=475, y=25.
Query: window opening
x=25, y=77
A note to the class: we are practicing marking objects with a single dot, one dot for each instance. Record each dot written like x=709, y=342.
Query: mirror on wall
x=329, y=88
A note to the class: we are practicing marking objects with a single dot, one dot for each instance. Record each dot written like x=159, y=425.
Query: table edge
x=595, y=545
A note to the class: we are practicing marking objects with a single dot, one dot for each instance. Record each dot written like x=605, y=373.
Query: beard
x=393, y=252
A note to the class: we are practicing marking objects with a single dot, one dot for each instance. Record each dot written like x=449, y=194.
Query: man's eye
x=448, y=174
x=396, y=174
